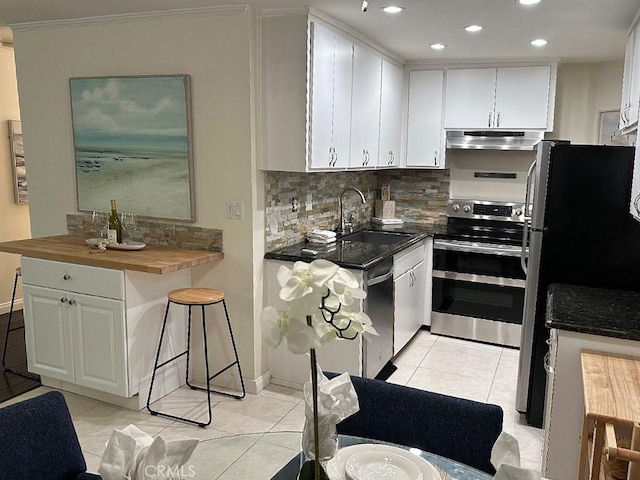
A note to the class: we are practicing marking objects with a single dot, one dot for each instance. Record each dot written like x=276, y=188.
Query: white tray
x=128, y=245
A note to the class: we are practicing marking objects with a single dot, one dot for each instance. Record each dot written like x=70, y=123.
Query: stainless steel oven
x=478, y=282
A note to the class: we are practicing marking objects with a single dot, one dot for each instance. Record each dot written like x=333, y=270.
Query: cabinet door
x=390, y=116
x=99, y=343
x=626, y=82
x=408, y=305
x=634, y=207
x=470, y=98
x=424, y=125
x=47, y=333
x=341, y=123
x=321, y=113
x=522, y=97
x=365, y=108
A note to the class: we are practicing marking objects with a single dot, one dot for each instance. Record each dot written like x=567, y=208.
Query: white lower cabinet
x=78, y=338
x=95, y=331
x=409, y=272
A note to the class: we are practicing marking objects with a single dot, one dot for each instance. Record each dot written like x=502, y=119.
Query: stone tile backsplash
x=155, y=232
x=421, y=197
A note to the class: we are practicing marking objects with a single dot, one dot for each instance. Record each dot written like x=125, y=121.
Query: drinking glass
x=100, y=220
x=129, y=223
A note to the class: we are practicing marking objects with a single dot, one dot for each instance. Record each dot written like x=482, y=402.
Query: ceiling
x=577, y=30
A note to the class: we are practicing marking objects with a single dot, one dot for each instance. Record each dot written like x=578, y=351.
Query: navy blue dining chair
x=38, y=441
x=460, y=429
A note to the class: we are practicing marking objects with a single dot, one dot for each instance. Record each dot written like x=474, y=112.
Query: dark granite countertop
x=357, y=255
x=597, y=311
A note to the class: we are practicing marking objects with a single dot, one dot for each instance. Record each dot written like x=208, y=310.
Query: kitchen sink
x=376, y=237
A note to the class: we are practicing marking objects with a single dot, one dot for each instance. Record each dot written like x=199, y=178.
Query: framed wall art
x=17, y=162
x=132, y=143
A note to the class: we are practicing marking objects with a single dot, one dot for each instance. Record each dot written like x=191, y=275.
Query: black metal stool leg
x=155, y=365
x=235, y=350
x=206, y=363
x=6, y=338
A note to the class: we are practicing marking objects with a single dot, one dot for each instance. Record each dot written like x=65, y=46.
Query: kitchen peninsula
x=92, y=320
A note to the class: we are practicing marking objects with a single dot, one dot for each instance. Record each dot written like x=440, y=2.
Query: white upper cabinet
x=470, y=98
x=331, y=75
x=321, y=98
x=425, y=135
x=499, y=98
x=522, y=97
x=365, y=108
x=630, y=100
x=390, y=115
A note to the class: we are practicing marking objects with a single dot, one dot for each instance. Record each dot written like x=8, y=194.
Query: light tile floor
x=476, y=371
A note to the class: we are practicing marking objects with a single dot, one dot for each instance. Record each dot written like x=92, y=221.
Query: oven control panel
x=486, y=210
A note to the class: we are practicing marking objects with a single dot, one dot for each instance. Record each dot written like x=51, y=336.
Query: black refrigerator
x=579, y=232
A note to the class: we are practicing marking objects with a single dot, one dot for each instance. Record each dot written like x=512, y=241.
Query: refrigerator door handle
x=527, y=218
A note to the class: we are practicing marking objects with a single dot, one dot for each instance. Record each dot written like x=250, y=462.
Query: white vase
x=327, y=438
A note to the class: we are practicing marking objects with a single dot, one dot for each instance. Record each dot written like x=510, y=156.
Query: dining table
x=277, y=456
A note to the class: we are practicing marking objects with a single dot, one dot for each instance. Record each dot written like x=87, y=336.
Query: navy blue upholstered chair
x=38, y=441
x=456, y=428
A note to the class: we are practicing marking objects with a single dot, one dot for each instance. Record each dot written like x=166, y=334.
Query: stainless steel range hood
x=493, y=140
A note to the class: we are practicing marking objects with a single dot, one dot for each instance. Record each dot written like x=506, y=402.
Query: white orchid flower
x=277, y=325
x=318, y=291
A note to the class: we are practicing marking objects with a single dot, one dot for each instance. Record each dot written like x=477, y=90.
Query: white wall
x=14, y=218
x=215, y=48
x=583, y=91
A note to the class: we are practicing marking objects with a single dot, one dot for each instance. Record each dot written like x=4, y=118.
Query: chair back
x=460, y=429
x=38, y=440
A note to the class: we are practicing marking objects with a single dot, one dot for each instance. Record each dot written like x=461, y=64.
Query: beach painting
x=17, y=162
x=132, y=142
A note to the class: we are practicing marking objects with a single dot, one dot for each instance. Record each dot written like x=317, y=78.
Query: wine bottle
x=114, y=233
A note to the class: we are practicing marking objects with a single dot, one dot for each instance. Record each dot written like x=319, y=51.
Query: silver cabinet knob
x=66, y=277
x=63, y=300
x=72, y=302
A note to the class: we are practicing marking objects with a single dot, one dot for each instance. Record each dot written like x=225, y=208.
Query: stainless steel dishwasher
x=378, y=304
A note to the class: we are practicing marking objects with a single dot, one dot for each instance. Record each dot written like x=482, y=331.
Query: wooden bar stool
x=9, y=330
x=191, y=297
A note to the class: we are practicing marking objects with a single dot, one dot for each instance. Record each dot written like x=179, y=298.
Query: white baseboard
x=230, y=380
x=17, y=305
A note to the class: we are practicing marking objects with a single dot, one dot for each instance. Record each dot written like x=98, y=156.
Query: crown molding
x=222, y=10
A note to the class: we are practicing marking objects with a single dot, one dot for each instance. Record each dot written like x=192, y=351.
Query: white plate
x=336, y=466
x=128, y=245
x=381, y=465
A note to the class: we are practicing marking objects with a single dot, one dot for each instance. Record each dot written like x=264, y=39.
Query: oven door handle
x=527, y=218
x=443, y=245
x=486, y=279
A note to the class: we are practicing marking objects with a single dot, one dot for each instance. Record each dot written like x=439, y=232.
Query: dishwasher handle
x=380, y=273
x=380, y=278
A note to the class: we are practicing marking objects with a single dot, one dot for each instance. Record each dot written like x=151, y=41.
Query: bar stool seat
x=10, y=329
x=193, y=297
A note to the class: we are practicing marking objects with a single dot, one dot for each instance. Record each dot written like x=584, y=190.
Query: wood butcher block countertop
x=611, y=387
x=74, y=249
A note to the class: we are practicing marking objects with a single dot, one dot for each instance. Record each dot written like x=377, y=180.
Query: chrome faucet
x=347, y=227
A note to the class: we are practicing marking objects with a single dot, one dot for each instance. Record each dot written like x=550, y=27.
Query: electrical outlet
x=308, y=205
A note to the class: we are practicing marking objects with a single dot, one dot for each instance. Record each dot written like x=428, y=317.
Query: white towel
x=320, y=240
x=322, y=233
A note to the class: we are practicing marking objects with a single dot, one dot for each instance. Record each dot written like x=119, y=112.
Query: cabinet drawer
x=408, y=259
x=102, y=282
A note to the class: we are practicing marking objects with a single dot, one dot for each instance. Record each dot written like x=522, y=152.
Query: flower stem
x=314, y=390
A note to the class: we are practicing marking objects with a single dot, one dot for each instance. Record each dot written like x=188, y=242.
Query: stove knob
x=455, y=207
x=518, y=212
x=466, y=208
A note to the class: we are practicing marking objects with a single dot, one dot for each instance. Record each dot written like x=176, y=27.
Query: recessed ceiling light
x=539, y=42
x=392, y=9
x=528, y=2
x=473, y=28
x=438, y=46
